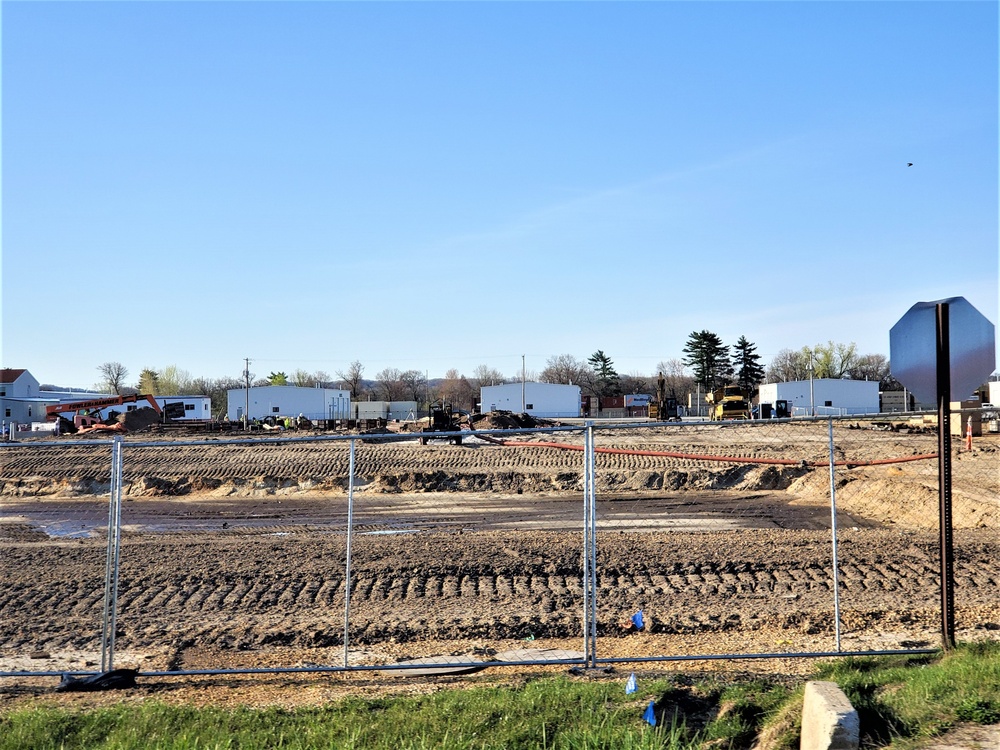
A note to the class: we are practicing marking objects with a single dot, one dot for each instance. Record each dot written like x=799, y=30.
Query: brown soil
x=233, y=556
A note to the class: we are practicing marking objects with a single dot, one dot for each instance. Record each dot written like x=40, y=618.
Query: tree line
x=707, y=363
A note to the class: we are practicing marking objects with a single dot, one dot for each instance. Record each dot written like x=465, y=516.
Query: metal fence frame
x=590, y=659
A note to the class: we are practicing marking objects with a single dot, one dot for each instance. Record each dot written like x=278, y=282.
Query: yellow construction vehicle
x=728, y=402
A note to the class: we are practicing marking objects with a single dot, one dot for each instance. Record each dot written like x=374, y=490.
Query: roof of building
x=9, y=374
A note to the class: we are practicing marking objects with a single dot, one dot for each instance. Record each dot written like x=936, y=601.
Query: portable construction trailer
x=261, y=402
x=550, y=400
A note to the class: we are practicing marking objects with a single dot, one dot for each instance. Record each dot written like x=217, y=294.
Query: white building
x=823, y=396
x=289, y=401
x=551, y=400
x=21, y=401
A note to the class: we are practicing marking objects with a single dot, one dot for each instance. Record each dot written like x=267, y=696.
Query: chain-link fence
x=576, y=544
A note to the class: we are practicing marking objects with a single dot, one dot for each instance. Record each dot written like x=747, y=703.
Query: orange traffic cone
x=968, y=435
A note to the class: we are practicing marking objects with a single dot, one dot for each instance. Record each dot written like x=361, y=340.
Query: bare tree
x=217, y=389
x=457, y=390
x=635, y=382
x=415, y=384
x=564, y=368
x=789, y=365
x=677, y=381
x=486, y=375
x=351, y=378
x=113, y=375
x=390, y=384
x=301, y=378
x=870, y=367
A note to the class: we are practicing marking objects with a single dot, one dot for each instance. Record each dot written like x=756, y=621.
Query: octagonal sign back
x=913, y=349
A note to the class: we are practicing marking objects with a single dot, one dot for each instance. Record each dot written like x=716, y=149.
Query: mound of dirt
x=139, y=419
x=505, y=420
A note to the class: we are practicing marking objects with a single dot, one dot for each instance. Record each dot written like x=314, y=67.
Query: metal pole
x=246, y=411
x=119, y=445
x=593, y=551
x=833, y=527
x=587, y=655
x=347, y=569
x=109, y=613
x=943, y=347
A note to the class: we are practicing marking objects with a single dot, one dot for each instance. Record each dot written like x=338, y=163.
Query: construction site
x=234, y=550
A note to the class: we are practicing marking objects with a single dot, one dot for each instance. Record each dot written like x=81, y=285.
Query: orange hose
x=724, y=459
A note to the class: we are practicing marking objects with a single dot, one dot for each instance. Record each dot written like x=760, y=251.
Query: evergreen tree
x=708, y=358
x=607, y=382
x=749, y=373
x=149, y=382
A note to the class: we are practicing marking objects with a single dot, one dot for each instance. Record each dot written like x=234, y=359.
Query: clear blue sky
x=441, y=185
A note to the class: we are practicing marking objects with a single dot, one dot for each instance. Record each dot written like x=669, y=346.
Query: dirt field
x=233, y=556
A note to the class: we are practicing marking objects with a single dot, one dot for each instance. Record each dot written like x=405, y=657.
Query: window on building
x=29, y=411
x=188, y=407
x=275, y=409
x=6, y=412
x=828, y=403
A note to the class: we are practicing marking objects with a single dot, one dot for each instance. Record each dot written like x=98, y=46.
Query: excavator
x=85, y=413
x=665, y=408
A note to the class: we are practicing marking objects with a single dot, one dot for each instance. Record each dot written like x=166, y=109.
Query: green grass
x=913, y=698
x=899, y=699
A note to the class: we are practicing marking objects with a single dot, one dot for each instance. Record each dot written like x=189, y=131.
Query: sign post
x=942, y=351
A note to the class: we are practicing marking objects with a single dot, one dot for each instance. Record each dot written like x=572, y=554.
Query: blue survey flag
x=650, y=715
x=637, y=620
x=631, y=685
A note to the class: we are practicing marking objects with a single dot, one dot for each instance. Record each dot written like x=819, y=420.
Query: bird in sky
x=909, y=163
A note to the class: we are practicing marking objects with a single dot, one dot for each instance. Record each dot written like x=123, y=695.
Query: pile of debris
x=504, y=420
x=138, y=419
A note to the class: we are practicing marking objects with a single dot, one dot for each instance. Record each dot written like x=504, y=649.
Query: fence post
x=347, y=568
x=589, y=550
x=833, y=527
x=109, y=620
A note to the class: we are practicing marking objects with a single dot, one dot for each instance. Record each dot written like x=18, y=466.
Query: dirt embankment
x=666, y=459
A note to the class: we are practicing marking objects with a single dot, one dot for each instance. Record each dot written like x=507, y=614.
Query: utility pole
x=246, y=410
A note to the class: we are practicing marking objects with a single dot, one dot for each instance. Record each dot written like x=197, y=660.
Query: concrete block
x=829, y=721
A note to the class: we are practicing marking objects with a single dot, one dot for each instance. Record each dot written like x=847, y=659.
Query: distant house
x=21, y=401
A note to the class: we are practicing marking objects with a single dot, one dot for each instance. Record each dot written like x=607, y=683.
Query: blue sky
x=442, y=185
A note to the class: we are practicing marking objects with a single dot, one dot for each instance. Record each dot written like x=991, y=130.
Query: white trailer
x=188, y=408
x=261, y=402
x=550, y=400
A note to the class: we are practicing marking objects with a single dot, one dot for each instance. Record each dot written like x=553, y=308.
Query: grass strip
x=899, y=699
